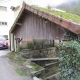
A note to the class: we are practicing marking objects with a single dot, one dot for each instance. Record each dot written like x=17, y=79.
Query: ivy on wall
x=69, y=58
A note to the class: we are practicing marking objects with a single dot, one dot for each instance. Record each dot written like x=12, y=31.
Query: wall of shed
x=35, y=27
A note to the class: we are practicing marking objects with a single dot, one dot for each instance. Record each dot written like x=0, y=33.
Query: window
x=2, y=38
x=3, y=23
x=2, y=8
x=0, y=23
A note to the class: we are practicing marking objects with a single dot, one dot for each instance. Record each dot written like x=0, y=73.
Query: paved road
x=6, y=70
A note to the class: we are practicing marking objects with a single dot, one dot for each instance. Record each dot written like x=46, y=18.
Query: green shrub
x=69, y=59
x=30, y=45
x=20, y=47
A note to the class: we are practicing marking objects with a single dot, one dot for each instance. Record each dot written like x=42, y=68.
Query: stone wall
x=42, y=53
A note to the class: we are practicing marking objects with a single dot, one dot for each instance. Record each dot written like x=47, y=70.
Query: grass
x=17, y=61
x=11, y=55
x=20, y=64
x=65, y=15
x=20, y=71
x=15, y=56
x=33, y=65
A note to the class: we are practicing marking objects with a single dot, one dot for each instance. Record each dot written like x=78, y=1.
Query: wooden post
x=18, y=45
x=12, y=42
x=15, y=45
x=53, y=43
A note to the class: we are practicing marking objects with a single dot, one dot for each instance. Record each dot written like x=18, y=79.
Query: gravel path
x=6, y=70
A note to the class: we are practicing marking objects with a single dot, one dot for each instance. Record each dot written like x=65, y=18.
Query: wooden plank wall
x=36, y=27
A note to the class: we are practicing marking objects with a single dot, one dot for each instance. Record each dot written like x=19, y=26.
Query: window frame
x=3, y=23
x=3, y=8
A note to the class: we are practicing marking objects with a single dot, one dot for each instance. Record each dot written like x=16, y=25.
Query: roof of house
x=65, y=20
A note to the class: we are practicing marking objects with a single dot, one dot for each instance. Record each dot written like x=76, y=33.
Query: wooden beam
x=43, y=59
x=16, y=8
x=19, y=24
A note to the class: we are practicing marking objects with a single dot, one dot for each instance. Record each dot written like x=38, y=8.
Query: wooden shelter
x=32, y=23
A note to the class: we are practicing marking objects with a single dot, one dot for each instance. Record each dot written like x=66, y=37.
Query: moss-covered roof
x=65, y=15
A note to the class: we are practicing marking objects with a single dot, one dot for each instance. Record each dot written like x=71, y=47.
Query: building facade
x=6, y=18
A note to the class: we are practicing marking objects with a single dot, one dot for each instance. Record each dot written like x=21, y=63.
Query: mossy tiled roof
x=65, y=15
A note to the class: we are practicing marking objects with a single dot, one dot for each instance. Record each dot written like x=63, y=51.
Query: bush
x=69, y=60
x=20, y=48
x=30, y=45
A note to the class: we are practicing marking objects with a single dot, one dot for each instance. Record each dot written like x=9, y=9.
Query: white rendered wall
x=19, y=3
x=6, y=16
